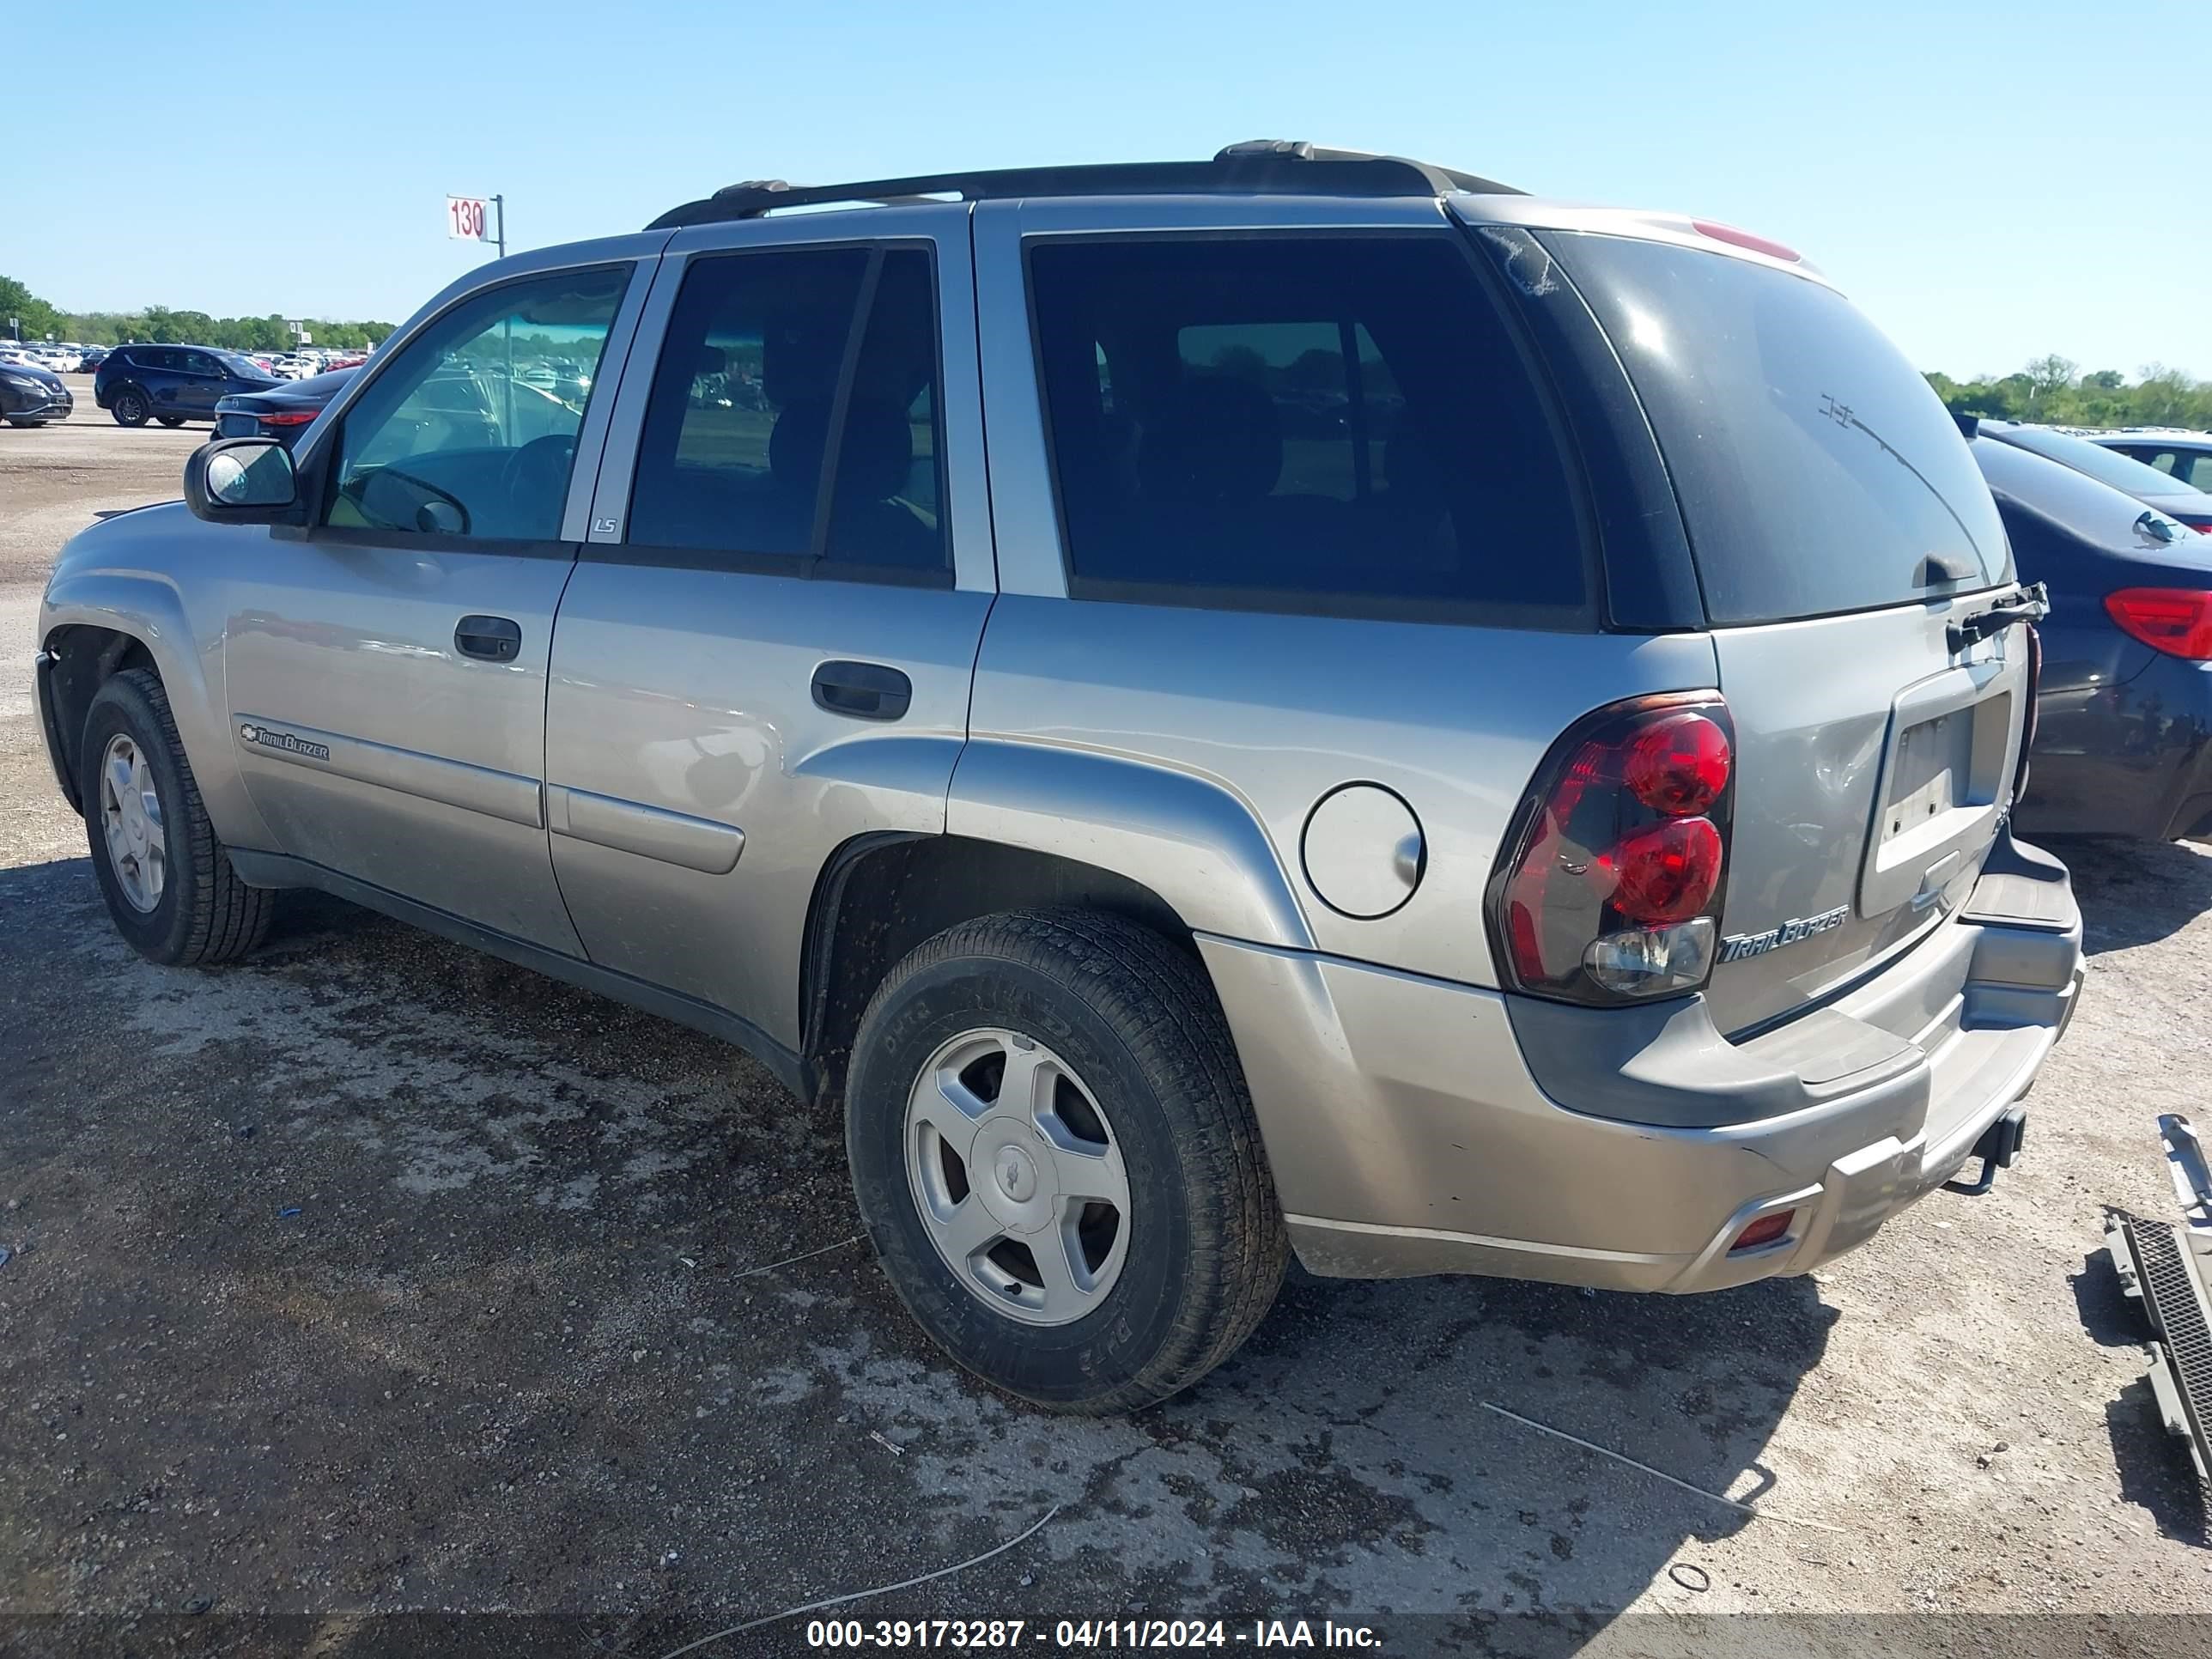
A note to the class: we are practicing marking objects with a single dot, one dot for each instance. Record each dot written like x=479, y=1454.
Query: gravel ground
x=374, y=1280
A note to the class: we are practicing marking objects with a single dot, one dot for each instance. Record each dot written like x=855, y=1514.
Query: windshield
x=1817, y=472
x=2098, y=462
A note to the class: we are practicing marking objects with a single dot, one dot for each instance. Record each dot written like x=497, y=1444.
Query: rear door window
x=1339, y=423
x=763, y=389
x=1817, y=472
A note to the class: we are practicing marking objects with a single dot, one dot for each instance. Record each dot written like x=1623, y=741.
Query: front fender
x=98, y=583
x=1188, y=840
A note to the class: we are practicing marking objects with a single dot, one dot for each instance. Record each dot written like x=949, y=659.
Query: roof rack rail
x=1286, y=165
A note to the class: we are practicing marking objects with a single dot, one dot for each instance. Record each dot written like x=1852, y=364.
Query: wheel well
x=82, y=660
x=881, y=896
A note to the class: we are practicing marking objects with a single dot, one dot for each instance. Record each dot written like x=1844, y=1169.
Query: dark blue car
x=283, y=412
x=2124, y=734
x=173, y=384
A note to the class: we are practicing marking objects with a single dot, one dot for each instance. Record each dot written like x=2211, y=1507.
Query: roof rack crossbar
x=1261, y=165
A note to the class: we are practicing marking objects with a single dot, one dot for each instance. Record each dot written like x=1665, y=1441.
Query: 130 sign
x=467, y=218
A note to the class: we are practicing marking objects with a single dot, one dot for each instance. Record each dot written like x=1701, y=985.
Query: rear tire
x=170, y=420
x=1140, y=1074
x=168, y=882
x=129, y=406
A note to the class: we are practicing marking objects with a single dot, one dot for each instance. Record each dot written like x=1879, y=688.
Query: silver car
x=1302, y=703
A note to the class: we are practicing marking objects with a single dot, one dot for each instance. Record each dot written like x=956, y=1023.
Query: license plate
x=1934, y=760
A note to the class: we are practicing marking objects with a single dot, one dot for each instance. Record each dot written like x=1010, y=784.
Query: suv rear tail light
x=2175, y=620
x=1611, y=890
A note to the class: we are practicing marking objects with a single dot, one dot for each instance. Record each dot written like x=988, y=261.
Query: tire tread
x=227, y=919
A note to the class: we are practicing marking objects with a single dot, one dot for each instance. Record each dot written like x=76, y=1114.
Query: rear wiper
x=2029, y=605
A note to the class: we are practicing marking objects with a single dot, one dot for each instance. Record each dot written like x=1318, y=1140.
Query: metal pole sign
x=478, y=219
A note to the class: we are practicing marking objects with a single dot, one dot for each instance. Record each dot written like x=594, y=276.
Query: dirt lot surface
x=374, y=1278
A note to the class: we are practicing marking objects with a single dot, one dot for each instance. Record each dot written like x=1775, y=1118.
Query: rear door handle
x=495, y=639
x=865, y=690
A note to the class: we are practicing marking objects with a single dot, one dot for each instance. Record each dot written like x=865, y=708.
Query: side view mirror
x=241, y=481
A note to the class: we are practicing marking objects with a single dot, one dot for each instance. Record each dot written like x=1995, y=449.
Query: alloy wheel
x=1018, y=1176
x=130, y=817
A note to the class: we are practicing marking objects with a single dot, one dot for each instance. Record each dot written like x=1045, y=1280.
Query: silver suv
x=1300, y=703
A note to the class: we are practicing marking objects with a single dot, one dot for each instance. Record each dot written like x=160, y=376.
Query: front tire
x=129, y=407
x=168, y=882
x=1055, y=1156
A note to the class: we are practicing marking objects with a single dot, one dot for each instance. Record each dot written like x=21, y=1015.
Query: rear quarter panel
x=1275, y=713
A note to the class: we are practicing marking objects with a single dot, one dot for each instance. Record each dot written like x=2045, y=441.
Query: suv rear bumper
x=1408, y=1134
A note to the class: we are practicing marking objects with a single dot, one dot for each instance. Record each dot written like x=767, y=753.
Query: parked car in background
x=94, y=355
x=282, y=412
x=1551, y=822
x=173, y=384
x=31, y=396
x=2186, y=455
x=2152, y=488
x=2122, y=740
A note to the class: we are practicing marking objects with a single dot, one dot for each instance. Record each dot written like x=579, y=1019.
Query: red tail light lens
x=1764, y=1232
x=1668, y=872
x=1612, y=887
x=286, y=417
x=1679, y=764
x=2175, y=620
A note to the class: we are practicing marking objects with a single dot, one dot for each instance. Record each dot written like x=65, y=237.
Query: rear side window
x=766, y=359
x=1330, y=424
x=1817, y=472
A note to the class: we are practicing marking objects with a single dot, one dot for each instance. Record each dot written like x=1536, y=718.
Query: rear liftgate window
x=1817, y=471
x=1317, y=423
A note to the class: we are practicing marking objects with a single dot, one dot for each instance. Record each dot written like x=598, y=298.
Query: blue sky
x=1990, y=181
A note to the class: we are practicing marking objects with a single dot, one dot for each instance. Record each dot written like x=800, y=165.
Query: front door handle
x=865, y=690
x=495, y=639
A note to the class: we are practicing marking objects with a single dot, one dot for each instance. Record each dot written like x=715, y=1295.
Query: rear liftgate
x=2165, y=1266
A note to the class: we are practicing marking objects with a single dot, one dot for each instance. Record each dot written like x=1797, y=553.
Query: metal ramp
x=2165, y=1266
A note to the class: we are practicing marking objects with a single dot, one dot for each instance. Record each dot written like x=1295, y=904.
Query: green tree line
x=2054, y=390
x=38, y=319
